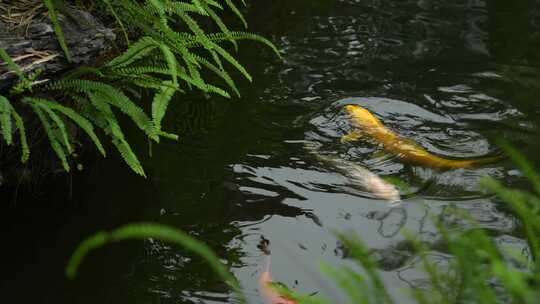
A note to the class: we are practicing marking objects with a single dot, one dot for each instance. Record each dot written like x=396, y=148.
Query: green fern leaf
x=219, y=72
x=233, y=61
x=82, y=71
x=114, y=130
x=22, y=133
x=177, y=7
x=244, y=36
x=158, y=6
x=214, y=4
x=52, y=136
x=136, y=51
x=118, y=20
x=171, y=61
x=198, y=5
x=220, y=24
x=129, y=157
x=5, y=119
x=160, y=104
x=201, y=37
x=82, y=122
x=57, y=29
x=11, y=64
x=114, y=97
x=146, y=82
x=143, y=70
x=168, y=135
x=235, y=10
x=59, y=124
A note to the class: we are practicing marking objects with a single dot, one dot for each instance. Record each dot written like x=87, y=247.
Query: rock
x=37, y=46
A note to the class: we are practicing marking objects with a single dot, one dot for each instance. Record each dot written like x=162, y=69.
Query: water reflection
x=449, y=75
x=425, y=68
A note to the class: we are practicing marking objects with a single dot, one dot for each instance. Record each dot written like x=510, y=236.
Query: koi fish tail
x=487, y=160
x=456, y=164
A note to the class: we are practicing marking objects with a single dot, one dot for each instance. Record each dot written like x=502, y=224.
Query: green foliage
x=162, y=62
x=156, y=231
x=56, y=26
x=8, y=113
x=13, y=67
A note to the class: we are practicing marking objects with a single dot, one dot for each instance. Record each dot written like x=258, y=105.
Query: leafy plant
x=163, y=61
x=156, y=231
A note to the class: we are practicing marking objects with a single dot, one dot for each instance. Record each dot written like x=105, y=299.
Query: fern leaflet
x=5, y=119
x=53, y=139
x=57, y=29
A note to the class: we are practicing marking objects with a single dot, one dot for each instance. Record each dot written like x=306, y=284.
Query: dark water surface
x=450, y=75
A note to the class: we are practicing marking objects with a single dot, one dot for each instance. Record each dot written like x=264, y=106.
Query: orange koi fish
x=367, y=124
x=267, y=292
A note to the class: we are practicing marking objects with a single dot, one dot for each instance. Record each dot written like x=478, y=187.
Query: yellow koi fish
x=368, y=125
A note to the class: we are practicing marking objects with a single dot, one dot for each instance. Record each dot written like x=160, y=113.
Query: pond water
x=449, y=75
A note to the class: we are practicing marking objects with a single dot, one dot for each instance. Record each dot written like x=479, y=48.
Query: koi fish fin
x=381, y=154
x=352, y=136
x=411, y=145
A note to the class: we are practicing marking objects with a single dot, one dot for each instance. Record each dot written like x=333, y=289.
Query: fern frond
x=219, y=72
x=57, y=29
x=5, y=119
x=129, y=157
x=136, y=51
x=244, y=36
x=198, y=5
x=200, y=36
x=142, y=70
x=146, y=82
x=118, y=20
x=53, y=139
x=219, y=23
x=22, y=133
x=171, y=61
x=233, y=62
x=193, y=68
x=168, y=135
x=113, y=129
x=81, y=71
x=214, y=4
x=177, y=7
x=59, y=124
x=213, y=89
x=200, y=84
x=212, y=47
x=160, y=8
x=82, y=122
x=160, y=104
x=235, y=10
x=114, y=97
x=11, y=64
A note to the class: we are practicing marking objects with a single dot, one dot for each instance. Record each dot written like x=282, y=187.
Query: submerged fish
x=358, y=175
x=367, y=124
x=268, y=293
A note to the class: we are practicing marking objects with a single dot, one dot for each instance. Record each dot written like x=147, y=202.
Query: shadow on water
x=449, y=75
